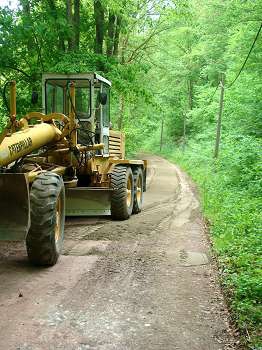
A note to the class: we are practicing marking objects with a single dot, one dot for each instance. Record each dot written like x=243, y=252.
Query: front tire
x=44, y=240
x=123, y=195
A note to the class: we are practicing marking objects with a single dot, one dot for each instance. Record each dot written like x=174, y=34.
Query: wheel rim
x=129, y=192
x=58, y=219
x=139, y=189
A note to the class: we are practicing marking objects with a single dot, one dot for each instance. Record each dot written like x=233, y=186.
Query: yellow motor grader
x=64, y=161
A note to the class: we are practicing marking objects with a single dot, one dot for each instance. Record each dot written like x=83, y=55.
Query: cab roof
x=92, y=76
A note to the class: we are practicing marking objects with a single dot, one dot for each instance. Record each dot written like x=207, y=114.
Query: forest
x=170, y=62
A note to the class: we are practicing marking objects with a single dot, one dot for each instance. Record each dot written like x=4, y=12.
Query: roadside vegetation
x=210, y=45
x=166, y=61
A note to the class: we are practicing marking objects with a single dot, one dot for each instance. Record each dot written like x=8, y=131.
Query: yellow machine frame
x=48, y=142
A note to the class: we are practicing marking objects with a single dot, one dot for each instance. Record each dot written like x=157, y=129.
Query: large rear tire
x=123, y=195
x=44, y=240
x=138, y=190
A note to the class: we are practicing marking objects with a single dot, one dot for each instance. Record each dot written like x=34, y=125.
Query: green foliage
x=3, y=120
x=231, y=186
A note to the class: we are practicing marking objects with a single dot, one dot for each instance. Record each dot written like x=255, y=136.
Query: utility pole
x=161, y=134
x=220, y=112
x=184, y=131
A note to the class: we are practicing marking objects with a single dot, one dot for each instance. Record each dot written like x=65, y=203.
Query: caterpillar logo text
x=20, y=146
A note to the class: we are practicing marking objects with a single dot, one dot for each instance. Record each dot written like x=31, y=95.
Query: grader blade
x=14, y=207
x=82, y=201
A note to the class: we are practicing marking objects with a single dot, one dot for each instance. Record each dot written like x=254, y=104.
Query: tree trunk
x=121, y=112
x=77, y=23
x=99, y=23
x=111, y=34
x=184, y=131
x=117, y=35
x=70, y=21
x=161, y=134
x=190, y=94
x=219, y=119
x=26, y=9
x=60, y=37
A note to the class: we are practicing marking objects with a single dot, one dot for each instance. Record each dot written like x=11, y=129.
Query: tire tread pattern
x=119, y=177
x=41, y=246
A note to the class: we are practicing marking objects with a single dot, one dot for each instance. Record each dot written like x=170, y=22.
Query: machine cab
x=91, y=100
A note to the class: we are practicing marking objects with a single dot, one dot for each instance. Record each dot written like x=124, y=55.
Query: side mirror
x=103, y=98
x=34, y=97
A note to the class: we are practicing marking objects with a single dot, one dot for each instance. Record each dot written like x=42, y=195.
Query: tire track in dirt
x=146, y=283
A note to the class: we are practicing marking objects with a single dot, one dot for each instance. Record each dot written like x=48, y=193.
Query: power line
x=241, y=69
x=243, y=65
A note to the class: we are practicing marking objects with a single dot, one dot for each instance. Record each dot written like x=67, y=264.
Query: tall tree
x=60, y=34
x=112, y=20
x=70, y=20
x=76, y=24
x=99, y=16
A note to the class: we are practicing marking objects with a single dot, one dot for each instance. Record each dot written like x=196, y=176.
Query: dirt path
x=146, y=283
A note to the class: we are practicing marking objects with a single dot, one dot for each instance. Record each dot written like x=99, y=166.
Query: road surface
x=143, y=284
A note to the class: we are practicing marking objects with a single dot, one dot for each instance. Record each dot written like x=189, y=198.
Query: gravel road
x=143, y=284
